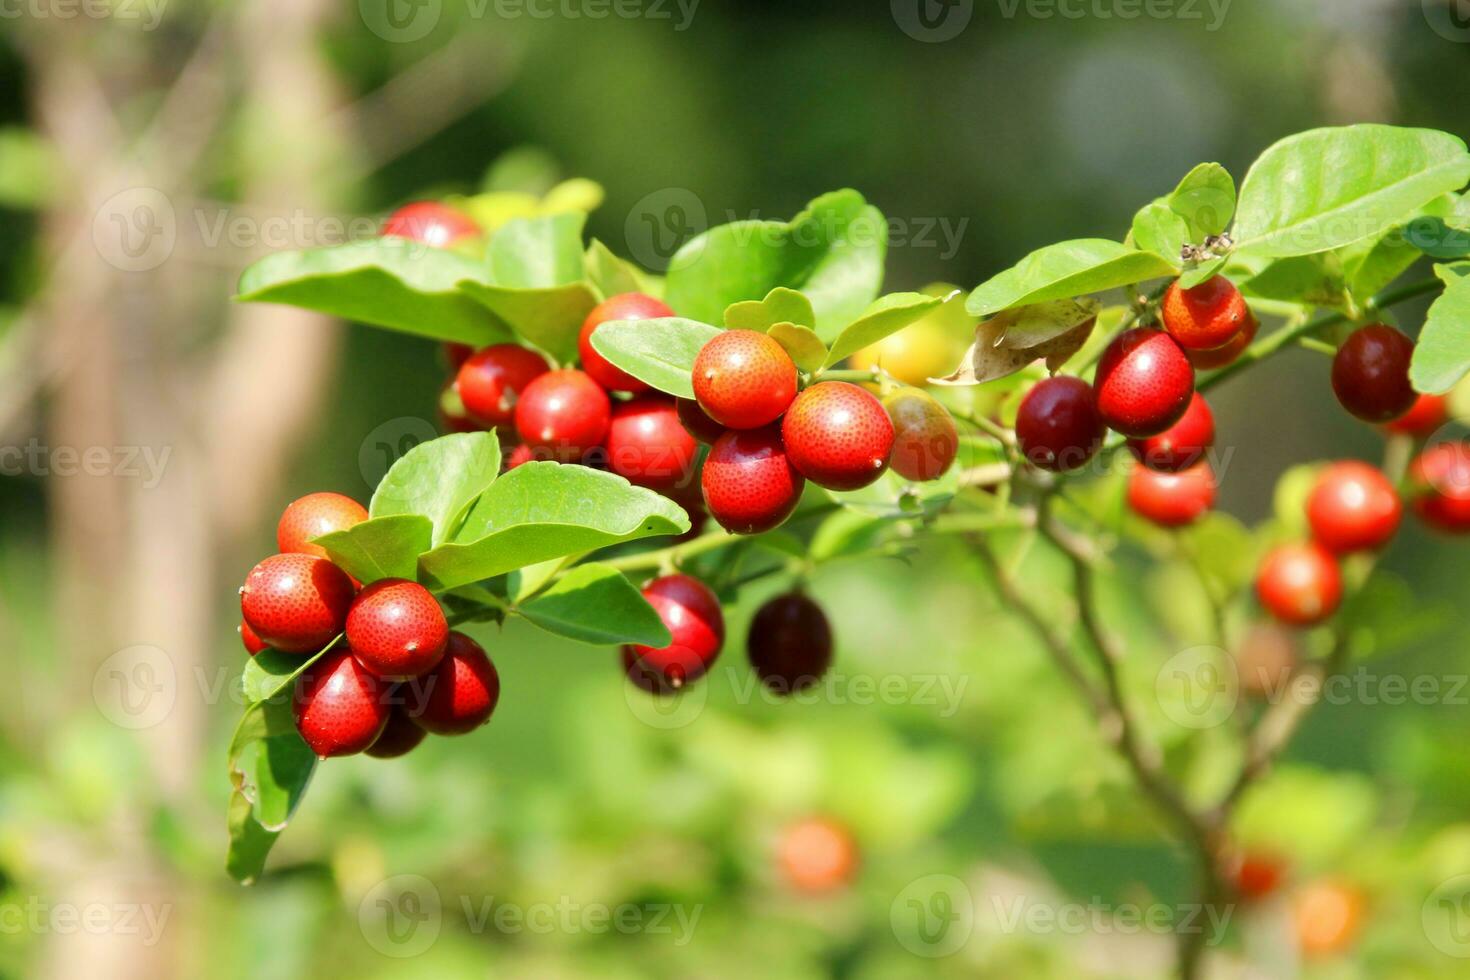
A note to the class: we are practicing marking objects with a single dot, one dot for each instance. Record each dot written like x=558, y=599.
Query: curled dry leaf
x=1017, y=338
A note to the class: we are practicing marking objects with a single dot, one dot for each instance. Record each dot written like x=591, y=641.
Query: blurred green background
x=275, y=124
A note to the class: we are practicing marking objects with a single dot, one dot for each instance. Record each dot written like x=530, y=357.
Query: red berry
x=339, y=707
x=1172, y=499
x=744, y=379
x=749, y=484
x=313, y=516
x=1207, y=317
x=396, y=628
x=296, y=603
x=691, y=612
x=1206, y=360
x=647, y=445
x=520, y=454
x=1299, y=584
x=563, y=413
x=925, y=440
x=1439, y=481
x=1353, y=507
x=1182, y=444
x=460, y=694
x=1370, y=373
x=492, y=381
x=838, y=436
x=1257, y=876
x=1057, y=424
x=626, y=306
x=1427, y=414
x=698, y=424
x=431, y=223
x=1144, y=382
x=456, y=354
x=253, y=644
x=400, y=737
x=452, y=414
x=790, y=643
x=817, y=855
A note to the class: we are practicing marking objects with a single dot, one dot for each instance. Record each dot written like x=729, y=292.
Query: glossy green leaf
x=802, y=343
x=1442, y=355
x=610, y=275
x=1064, y=271
x=382, y=547
x=269, y=672
x=270, y=767
x=659, y=352
x=1205, y=199
x=549, y=318
x=883, y=317
x=1158, y=228
x=1195, y=275
x=1443, y=231
x=387, y=282
x=537, y=253
x=781, y=305
x=439, y=479
x=1312, y=280
x=597, y=604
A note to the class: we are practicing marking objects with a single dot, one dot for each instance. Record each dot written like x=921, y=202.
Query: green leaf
x=1192, y=277
x=781, y=305
x=1066, y=270
x=382, y=547
x=537, y=253
x=549, y=318
x=803, y=344
x=1225, y=551
x=833, y=252
x=1312, y=280
x=659, y=352
x=439, y=479
x=1442, y=355
x=597, y=604
x=1158, y=228
x=269, y=766
x=539, y=511
x=1327, y=188
x=1443, y=232
x=885, y=316
x=270, y=671
x=610, y=275
x=386, y=282
x=1205, y=199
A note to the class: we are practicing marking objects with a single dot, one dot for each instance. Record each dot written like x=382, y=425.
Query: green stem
x=853, y=375
x=674, y=553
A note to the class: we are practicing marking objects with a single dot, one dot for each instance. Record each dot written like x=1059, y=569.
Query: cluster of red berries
x=398, y=673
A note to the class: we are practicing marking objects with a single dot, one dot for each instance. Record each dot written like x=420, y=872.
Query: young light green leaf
x=659, y=352
x=382, y=547
x=439, y=479
x=597, y=604
x=1326, y=188
x=549, y=318
x=1195, y=275
x=610, y=275
x=269, y=767
x=1442, y=355
x=781, y=305
x=269, y=672
x=538, y=253
x=1066, y=270
x=1205, y=199
x=539, y=511
x=1158, y=228
x=883, y=317
x=802, y=343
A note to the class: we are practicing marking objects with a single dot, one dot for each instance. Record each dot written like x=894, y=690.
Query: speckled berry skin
x=749, y=484
x=691, y=612
x=1144, y=382
x=1439, y=485
x=396, y=629
x=1427, y=414
x=1370, y=374
x=838, y=435
x=459, y=695
x=312, y=516
x=491, y=381
x=296, y=603
x=340, y=708
x=696, y=423
x=1182, y=444
x=400, y=736
x=925, y=440
x=647, y=445
x=743, y=379
x=789, y=643
x=1057, y=424
x=563, y=414
x=1172, y=499
x=1207, y=360
x=624, y=306
x=1299, y=584
x=431, y=223
x=1353, y=507
x=1206, y=317
x=252, y=643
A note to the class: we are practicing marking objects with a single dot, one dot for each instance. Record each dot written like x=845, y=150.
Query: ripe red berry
x=313, y=516
x=925, y=440
x=838, y=435
x=460, y=694
x=1353, y=507
x=296, y=603
x=431, y=223
x=1207, y=317
x=1057, y=424
x=1439, y=482
x=1256, y=875
x=396, y=628
x=400, y=736
x=520, y=454
x=340, y=708
x=749, y=484
x=1182, y=444
x=1299, y=584
x=692, y=614
x=626, y=306
x=1172, y=499
x=1205, y=360
x=563, y=413
x=1427, y=414
x=698, y=424
x=647, y=445
x=790, y=643
x=1370, y=373
x=491, y=381
x=744, y=379
x=1144, y=382
x=817, y=855
x=253, y=644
